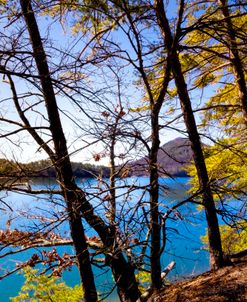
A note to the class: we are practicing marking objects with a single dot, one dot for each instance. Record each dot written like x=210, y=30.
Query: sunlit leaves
x=144, y=279
x=141, y=108
x=58, y=8
x=8, y=8
x=234, y=238
x=226, y=163
x=204, y=80
x=88, y=16
x=40, y=287
x=224, y=109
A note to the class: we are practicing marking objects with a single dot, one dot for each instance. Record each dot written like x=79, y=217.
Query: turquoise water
x=183, y=230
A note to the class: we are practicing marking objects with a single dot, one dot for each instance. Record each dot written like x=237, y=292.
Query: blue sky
x=22, y=147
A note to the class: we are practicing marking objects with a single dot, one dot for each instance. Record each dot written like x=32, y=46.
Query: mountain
x=172, y=159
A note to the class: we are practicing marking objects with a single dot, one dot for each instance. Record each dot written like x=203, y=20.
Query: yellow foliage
x=144, y=280
x=226, y=164
x=42, y=288
x=141, y=108
x=234, y=239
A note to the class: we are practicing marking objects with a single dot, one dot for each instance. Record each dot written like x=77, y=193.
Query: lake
x=183, y=230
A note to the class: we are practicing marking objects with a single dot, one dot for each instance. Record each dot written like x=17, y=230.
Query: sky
x=21, y=147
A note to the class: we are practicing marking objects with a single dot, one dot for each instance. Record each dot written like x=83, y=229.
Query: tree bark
x=123, y=272
x=154, y=183
x=215, y=247
x=154, y=204
x=61, y=159
x=77, y=203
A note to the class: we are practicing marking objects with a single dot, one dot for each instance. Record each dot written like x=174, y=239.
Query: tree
x=60, y=157
x=216, y=47
x=157, y=67
x=77, y=204
x=215, y=248
x=235, y=60
x=46, y=288
x=225, y=109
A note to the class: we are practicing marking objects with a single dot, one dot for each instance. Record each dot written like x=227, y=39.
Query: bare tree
x=77, y=204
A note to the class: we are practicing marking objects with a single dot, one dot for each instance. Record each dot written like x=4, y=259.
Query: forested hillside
x=44, y=168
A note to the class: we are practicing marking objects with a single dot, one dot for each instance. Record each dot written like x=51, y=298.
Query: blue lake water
x=183, y=230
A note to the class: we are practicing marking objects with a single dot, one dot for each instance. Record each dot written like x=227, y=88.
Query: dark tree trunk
x=61, y=159
x=236, y=61
x=77, y=203
x=215, y=247
x=124, y=276
x=154, y=182
x=123, y=272
x=154, y=204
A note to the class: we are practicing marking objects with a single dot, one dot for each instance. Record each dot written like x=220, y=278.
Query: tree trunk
x=215, y=247
x=154, y=204
x=123, y=272
x=154, y=212
x=154, y=182
x=61, y=159
x=124, y=276
x=77, y=203
x=236, y=61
